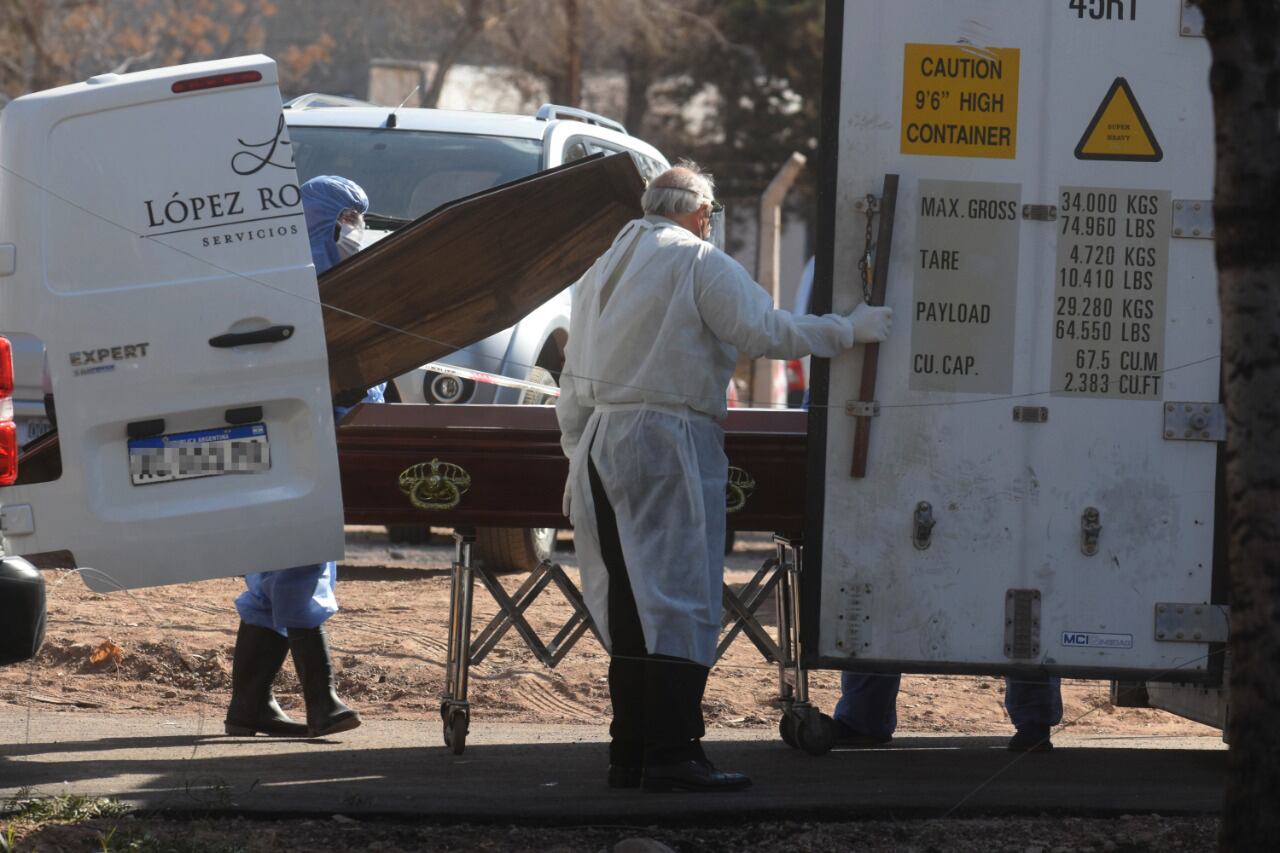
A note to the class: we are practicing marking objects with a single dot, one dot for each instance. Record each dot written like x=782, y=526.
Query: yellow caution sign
x=960, y=101
x=1119, y=130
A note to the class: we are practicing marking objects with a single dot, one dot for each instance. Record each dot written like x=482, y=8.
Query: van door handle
x=269, y=335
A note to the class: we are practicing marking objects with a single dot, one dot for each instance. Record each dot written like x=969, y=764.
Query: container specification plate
x=966, y=286
x=960, y=101
x=1110, y=293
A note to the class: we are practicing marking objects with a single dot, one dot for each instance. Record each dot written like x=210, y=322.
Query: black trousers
x=657, y=700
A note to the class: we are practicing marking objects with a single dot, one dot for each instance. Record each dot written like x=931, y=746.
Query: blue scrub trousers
x=301, y=597
x=868, y=702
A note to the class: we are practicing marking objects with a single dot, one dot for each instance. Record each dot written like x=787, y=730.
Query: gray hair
x=681, y=189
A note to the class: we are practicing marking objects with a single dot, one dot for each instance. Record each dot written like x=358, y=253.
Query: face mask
x=349, y=237
x=715, y=227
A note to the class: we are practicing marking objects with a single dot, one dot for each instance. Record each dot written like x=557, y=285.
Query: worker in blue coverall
x=284, y=612
x=867, y=714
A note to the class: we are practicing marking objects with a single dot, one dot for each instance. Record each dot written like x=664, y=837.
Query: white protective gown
x=657, y=325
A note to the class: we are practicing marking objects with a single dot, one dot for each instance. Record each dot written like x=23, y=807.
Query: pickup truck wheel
x=514, y=549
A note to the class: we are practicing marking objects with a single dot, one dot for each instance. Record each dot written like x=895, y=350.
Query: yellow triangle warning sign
x=1119, y=130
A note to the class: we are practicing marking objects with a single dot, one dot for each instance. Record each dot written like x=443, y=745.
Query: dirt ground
x=168, y=650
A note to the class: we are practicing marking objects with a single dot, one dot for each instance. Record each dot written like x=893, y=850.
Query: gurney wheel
x=787, y=729
x=455, y=732
x=816, y=734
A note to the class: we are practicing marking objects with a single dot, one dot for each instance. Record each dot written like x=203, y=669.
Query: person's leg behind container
x=1034, y=705
x=867, y=713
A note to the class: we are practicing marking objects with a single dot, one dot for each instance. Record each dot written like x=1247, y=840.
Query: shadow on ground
x=397, y=768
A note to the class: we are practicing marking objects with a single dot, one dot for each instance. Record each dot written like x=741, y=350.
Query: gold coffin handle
x=737, y=489
x=435, y=485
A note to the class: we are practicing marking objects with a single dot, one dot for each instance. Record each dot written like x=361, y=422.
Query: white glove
x=566, y=503
x=870, y=325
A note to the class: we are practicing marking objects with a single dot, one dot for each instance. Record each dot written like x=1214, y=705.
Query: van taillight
x=6, y=368
x=214, y=81
x=8, y=453
x=8, y=429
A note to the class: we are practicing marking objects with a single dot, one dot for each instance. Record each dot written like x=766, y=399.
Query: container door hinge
x=1193, y=218
x=1192, y=623
x=922, y=524
x=854, y=637
x=1192, y=23
x=1022, y=624
x=1090, y=530
x=1185, y=421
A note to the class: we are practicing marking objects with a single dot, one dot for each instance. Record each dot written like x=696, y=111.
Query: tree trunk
x=1244, y=35
x=31, y=20
x=640, y=74
x=573, y=54
x=472, y=25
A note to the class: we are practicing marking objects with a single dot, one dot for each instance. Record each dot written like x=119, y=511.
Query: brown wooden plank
x=471, y=268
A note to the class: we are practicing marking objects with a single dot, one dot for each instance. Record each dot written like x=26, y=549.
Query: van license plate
x=30, y=429
x=203, y=453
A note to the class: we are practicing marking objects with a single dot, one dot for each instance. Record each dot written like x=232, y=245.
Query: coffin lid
x=470, y=269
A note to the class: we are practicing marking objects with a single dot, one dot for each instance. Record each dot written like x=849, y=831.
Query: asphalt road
x=555, y=773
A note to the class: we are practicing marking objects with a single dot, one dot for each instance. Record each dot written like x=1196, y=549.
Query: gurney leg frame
x=455, y=710
x=802, y=724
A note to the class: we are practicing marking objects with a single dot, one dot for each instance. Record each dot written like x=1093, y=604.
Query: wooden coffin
x=470, y=269
x=504, y=468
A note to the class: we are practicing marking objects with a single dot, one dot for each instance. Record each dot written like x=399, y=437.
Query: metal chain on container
x=864, y=263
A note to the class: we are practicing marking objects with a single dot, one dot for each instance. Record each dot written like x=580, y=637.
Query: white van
x=153, y=239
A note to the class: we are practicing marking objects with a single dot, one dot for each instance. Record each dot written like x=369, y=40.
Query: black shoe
x=623, y=776
x=850, y=738
x=259, y=654
x=692, y=775
x=1031, y=739
x=326, y=715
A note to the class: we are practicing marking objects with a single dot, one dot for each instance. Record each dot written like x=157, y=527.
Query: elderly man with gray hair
x=658, y=323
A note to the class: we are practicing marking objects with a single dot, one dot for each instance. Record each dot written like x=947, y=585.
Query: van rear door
x=162, y=258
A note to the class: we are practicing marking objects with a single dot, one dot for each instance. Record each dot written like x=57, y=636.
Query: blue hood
x=324, y=197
